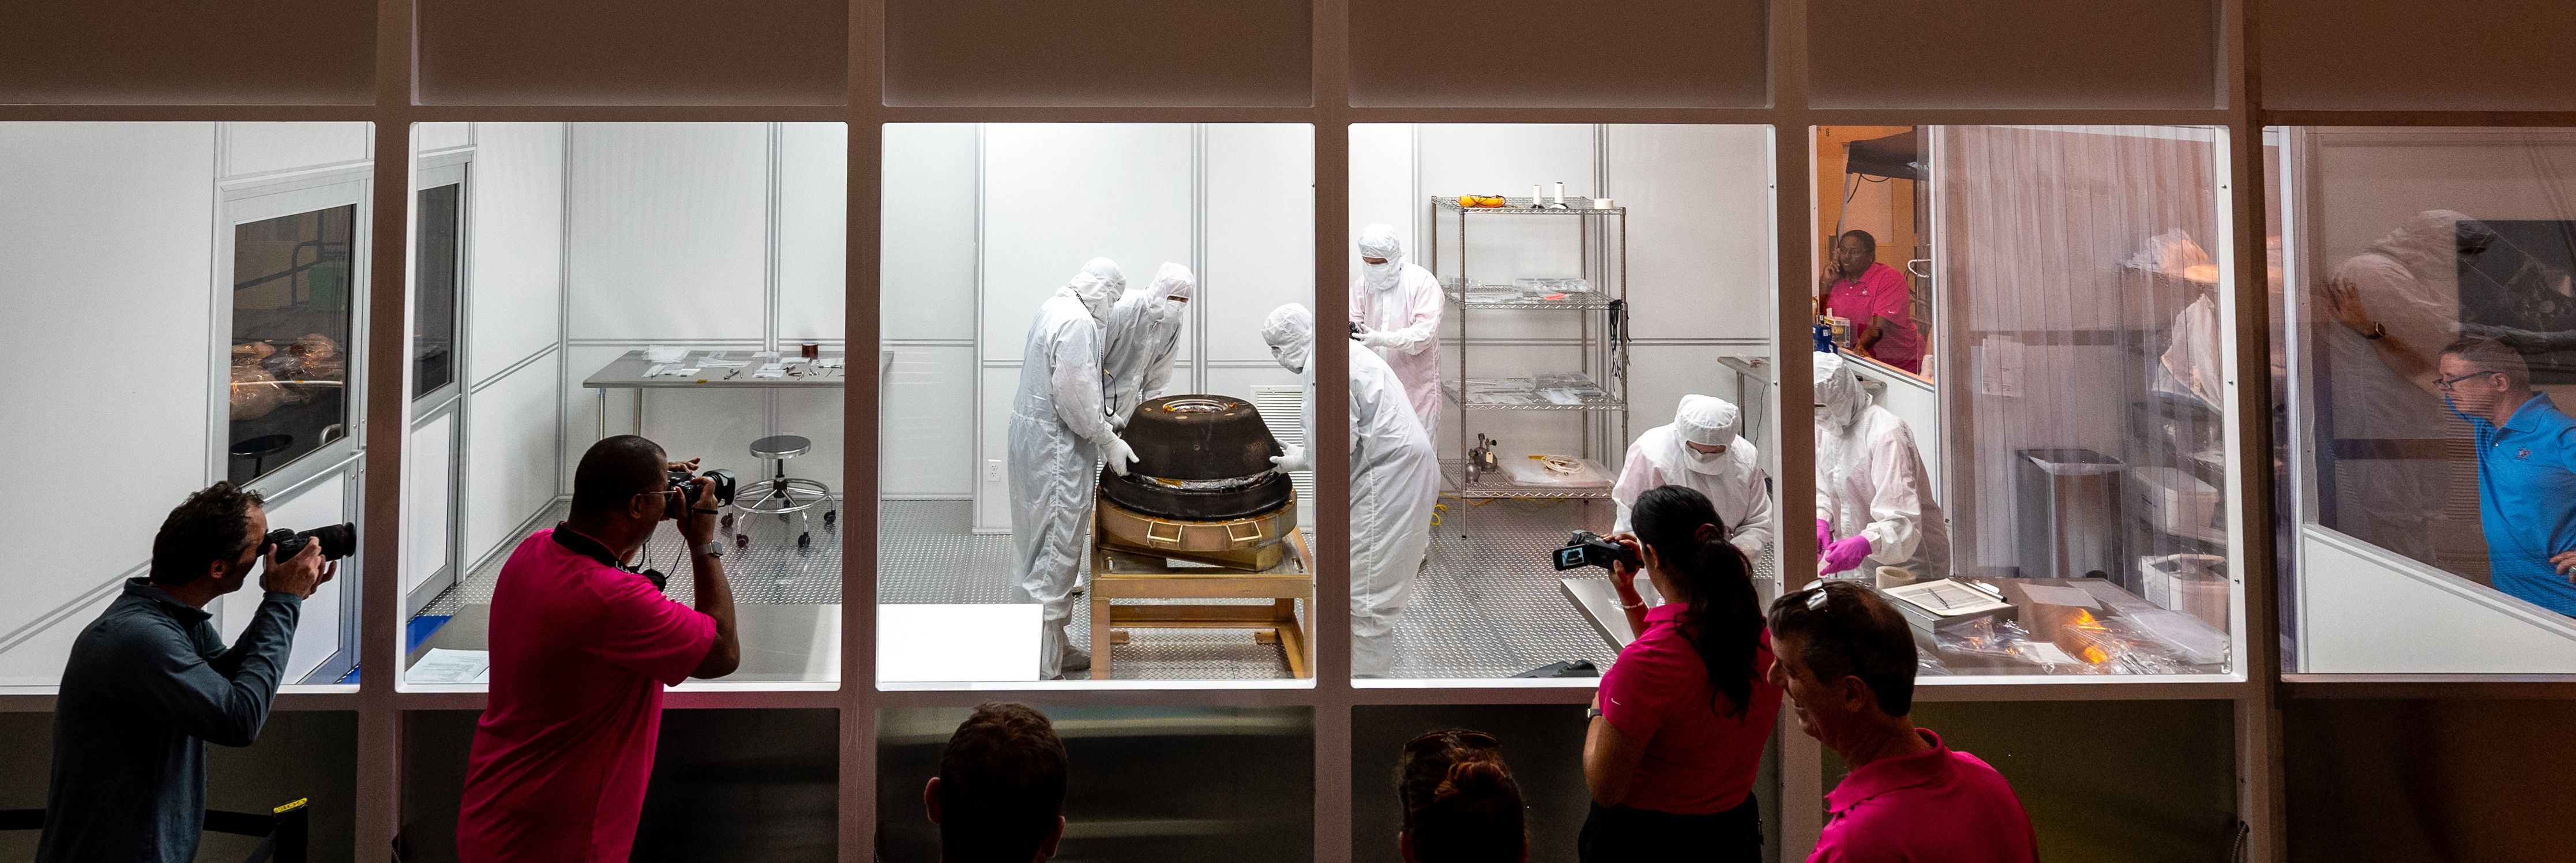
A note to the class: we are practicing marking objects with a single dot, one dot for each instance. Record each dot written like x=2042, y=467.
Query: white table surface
x=957, y=643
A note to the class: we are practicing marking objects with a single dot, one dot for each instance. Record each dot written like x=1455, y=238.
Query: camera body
x=338, y=541
x=684, y=483
x=1586, y=548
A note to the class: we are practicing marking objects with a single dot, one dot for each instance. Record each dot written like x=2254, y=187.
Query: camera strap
x=594, y=549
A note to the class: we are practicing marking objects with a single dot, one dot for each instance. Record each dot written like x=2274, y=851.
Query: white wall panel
x=441, y=136
x=1699, y=233
x=1382, y=186
x=929, y=408
x=669, y=230
x=511, y=464
x=428, y=477
x=516, y=254
x=716, y=426
x=816, y=414
x=1260, y=233
x=317, y=625
x=927, y=257
x=123, y=241
x=993, y=493
x=581, y=407
x=38, y=661
x=1504, y=159
x=813, y=232
x=1056, y=195
x=2354, y=602
x=258, y=148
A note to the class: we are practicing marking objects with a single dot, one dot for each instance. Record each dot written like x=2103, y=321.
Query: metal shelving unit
x=1600, y=315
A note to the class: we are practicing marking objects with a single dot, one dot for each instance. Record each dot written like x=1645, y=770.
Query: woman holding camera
x=1678, y=725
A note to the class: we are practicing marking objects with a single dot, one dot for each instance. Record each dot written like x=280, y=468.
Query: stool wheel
x=829, y=516
x=805, y=540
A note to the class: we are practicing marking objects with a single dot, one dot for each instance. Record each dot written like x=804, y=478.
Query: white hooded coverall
x=1395, y=481
x=2409, y=281
x=1400, y=303
x=1143, y=338
x=1733, y=480
x=1870, y=480
x=1058, y=433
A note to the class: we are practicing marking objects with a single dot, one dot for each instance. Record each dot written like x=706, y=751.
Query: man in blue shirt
x=148, y=684
x=2526, y=470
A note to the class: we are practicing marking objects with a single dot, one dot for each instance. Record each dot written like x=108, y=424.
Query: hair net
x=1173, y=284
x=1290, y=332
x=1839, y=398
x=2428, y=243
x=1708, y=421
x=1098, y=285
x=1379, y=241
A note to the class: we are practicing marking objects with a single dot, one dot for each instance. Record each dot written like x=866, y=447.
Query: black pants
x=1619, y=834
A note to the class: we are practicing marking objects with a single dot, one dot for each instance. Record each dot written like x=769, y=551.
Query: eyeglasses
x=2445, y=383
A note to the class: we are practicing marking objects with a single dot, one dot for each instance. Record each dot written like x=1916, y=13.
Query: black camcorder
x=1586, y=548
x=685, y=484
x=338, y=541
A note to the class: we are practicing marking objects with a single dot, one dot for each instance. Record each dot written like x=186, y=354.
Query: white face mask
x=1381, y=277
x=1291, y=357
x=1168, y=311
x=1705, y=459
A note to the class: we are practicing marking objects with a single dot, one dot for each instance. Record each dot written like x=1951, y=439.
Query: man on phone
x=1877, y=300
x=149, y=685
x=582, y=644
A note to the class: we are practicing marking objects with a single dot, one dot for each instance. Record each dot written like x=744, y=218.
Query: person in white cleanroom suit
x=1059, y=435
x=1874, y=504
x=1144, y=335
x=1397, y=308
x=1703, y=450
x=1395, y=480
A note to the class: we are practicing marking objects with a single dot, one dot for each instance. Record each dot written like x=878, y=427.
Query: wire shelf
x=1516, y=394
x=1583, y=301
x=1574, y=206
x=1453, y=477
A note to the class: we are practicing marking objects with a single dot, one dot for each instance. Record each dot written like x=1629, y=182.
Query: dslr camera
x=1586, y=548
x=676, y=506
x=337, y=541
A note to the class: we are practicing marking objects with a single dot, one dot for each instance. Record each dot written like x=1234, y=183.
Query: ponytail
x=1723, y=622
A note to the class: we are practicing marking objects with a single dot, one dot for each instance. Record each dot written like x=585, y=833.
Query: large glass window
x=2027, y=437
x=2427, y=346
x=1057, y=292
x=679, y=281
x=1547, y=320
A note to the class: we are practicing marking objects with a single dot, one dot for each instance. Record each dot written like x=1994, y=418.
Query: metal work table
x=779, y=642
x=627, y=372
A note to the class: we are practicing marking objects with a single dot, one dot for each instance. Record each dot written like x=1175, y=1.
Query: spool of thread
x=1535, y=200
x=813, y=350
x=1560, y=193
x=1601, y=203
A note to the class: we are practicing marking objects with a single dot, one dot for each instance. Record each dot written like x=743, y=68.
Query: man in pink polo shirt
x=581, y=648
x=1877, y=300
x=1847, y=659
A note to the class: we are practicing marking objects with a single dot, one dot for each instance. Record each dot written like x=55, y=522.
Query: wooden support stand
x=1122, y=575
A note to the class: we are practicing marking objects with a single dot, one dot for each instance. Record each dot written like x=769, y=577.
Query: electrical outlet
x=992, y=470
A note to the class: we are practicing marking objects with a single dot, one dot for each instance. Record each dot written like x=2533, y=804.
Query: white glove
x=1293, y=461
x=1119, y=455
x=1378, y=339
x=1118, y=422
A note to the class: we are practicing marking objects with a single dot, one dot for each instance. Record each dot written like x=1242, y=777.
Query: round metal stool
x=780, y=494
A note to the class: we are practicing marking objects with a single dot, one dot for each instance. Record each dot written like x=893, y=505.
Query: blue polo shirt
x=2527, y=500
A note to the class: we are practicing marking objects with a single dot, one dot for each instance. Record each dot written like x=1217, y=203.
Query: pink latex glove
x=1844, y=555
x=1824, y=535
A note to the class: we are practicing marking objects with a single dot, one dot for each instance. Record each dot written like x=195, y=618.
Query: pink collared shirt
x=1700, y=759
x=1941, y=806
x=1882, y=292
x=580, y=653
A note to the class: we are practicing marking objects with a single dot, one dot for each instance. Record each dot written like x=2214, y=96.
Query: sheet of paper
x=684, y=373
x=772, y=370
x=657, y=370
x=714, y=363
x=441, y=665
x=2073, y=597
x=791, y=361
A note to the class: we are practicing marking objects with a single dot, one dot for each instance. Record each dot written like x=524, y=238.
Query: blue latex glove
x=1844, y=555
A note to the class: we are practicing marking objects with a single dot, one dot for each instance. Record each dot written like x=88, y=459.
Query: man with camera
x=583, y=641
x=149, y=684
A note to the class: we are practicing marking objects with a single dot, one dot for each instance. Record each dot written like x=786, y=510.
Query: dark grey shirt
x=147, y=687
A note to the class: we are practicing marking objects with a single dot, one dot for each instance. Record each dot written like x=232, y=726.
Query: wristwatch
x=1591, y=713
x=2377, y=332
x=711, y=548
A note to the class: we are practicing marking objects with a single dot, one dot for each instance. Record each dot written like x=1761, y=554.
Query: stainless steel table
x=627, y=372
